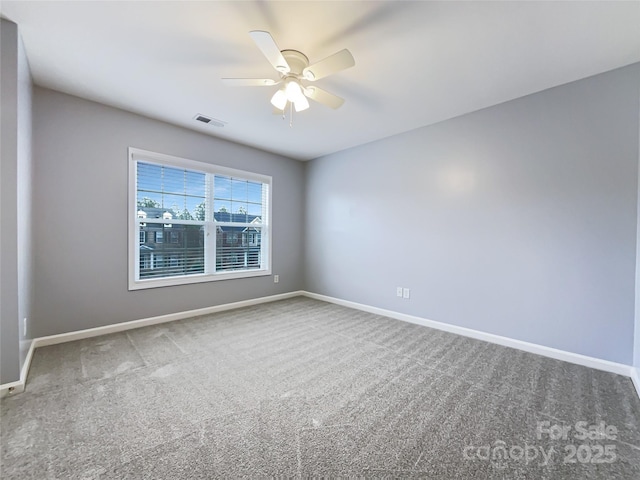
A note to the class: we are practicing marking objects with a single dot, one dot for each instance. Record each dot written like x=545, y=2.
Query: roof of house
x=236, y=217
x=157, y=212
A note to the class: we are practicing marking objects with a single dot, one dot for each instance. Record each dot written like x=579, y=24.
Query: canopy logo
x=582, y=445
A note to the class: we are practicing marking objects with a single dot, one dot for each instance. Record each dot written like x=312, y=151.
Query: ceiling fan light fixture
x=301, y=104
x=279, y=99
x=293, y=91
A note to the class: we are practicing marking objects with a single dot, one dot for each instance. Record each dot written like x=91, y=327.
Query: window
x=145, y=261
x=219, y=221
x=250, y=238
x=232, y=238
x=158, y=262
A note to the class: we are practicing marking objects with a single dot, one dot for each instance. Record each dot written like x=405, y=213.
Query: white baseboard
x=635, y=378
x=19, y=385
x=145, y=322
x=591, y=362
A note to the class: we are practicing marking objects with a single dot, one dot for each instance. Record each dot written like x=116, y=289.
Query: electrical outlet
x=399, y=292
x=405, y=293
x=276, y=278
x=24, y=327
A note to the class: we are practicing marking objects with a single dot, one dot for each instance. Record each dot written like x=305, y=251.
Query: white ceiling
x=417, y=63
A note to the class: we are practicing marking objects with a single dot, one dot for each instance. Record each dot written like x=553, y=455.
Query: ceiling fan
x=293, y=67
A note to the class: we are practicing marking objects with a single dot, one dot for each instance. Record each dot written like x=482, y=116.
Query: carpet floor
x=300, y=389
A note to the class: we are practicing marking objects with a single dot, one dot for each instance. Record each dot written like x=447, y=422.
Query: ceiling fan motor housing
x=297, y=61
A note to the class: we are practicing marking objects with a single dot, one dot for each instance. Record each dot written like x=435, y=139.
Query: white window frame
x=135, y=155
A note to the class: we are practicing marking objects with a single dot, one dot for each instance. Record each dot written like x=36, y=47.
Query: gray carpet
x=302, y=388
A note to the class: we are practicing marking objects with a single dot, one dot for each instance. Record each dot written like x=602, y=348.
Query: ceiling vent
x=209, y=121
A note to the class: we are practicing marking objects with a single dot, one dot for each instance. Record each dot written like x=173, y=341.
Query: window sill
x=191, y=279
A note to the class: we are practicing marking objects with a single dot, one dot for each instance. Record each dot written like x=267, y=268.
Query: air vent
x=209, y=121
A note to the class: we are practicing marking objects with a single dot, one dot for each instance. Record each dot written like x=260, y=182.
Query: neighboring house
x=177, y=249
x=237, y=248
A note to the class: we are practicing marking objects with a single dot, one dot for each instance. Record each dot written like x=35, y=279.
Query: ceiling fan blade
x=269, y=48
x=332, y=64
x=249, y=82
x=324, y=97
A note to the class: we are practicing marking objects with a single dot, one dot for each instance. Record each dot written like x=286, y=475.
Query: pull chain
x=290, y=115
x=284, y=116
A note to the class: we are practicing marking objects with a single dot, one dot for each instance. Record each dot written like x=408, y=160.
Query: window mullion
x=210, y=233
x=138, y=222
x=209, y=248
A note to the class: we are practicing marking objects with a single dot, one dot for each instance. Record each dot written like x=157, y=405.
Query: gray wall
x=518, y=220
x=80, y=208
x=15, y=191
